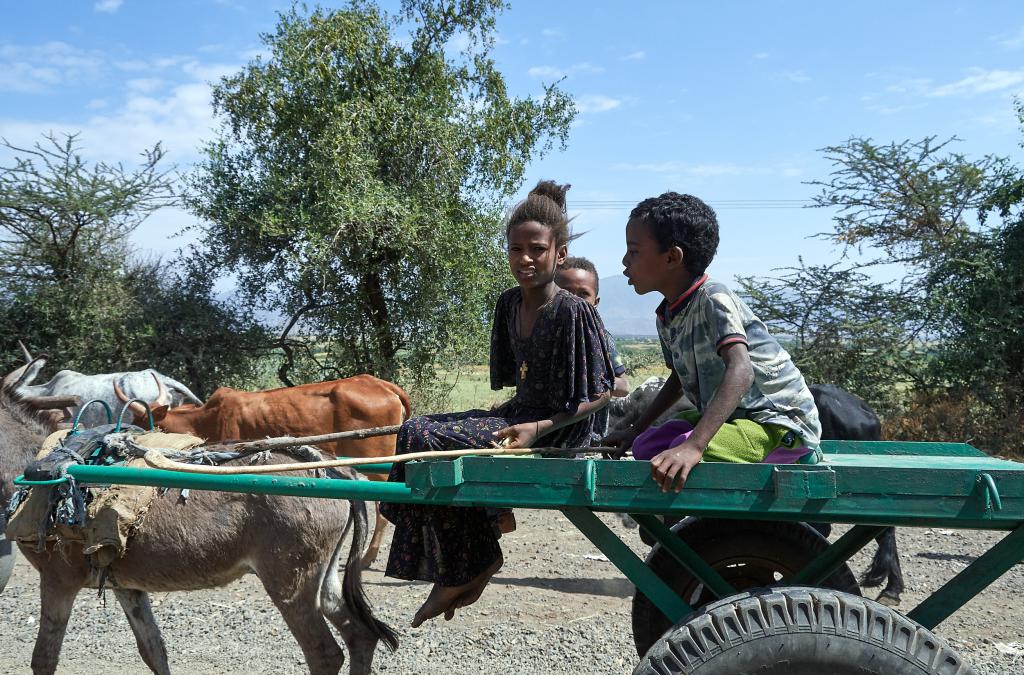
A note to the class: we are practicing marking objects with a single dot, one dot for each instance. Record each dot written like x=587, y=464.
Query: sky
x=731, y=102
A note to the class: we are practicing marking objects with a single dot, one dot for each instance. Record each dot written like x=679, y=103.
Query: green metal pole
x=972, y=580
x=832, y=558
x=685, y=555
x=649, y=583
x=268, y=484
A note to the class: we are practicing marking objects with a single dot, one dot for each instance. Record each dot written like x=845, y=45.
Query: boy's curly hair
x=684, y=221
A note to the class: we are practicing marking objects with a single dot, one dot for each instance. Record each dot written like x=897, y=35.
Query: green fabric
x=741, y=440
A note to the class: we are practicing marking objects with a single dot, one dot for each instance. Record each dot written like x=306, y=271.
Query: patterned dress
x=564, y=362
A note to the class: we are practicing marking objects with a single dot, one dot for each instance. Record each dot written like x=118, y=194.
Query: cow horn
x=24, y=350
x=137, y=408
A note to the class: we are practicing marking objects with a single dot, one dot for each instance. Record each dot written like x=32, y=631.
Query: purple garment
x=655, y=440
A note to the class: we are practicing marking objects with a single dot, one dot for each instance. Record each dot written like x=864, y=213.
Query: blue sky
x=728, y=101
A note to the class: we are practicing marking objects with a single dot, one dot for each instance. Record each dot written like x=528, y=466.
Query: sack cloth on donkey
x=102, y=519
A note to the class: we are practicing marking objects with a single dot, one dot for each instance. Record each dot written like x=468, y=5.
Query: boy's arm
x=676, y=462
x=669, y=393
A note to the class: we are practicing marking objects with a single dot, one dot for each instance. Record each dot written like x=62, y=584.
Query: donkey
x=293, y=544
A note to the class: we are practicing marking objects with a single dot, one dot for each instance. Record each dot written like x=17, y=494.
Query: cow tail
x=406, y=404
x=352, y=585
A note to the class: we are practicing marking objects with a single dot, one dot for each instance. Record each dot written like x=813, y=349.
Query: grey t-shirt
x=708, y=317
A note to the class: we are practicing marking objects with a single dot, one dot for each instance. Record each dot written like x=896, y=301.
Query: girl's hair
x=546, y=205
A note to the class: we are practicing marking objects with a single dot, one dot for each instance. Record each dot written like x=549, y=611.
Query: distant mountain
x=623, y=311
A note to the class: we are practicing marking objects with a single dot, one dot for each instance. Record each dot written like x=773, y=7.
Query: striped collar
x=666, y=312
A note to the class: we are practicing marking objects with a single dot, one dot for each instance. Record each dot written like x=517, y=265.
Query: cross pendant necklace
x=522, y=371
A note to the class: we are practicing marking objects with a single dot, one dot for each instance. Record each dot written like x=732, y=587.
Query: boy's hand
x=621, y=439
x=675, y=462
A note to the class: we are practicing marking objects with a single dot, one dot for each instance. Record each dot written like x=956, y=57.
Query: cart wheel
x=799, y=631
x=747, y=553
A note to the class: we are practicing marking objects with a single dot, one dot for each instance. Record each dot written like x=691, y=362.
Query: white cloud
x=761, y=55
x=108, y=6
x=981, y=81
x=555, y=72
x=38, y=68
x=1013, y=41
x=596, y=103
x=797, y=76
x=551, y=33
x=635, y=56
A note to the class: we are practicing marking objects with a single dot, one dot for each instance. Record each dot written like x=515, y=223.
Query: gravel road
x=556, y=607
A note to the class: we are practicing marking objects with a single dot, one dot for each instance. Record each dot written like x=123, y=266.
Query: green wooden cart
x=741, y=583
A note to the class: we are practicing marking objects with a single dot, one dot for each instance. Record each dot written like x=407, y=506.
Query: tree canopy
x=921, y=315
x=357, y=183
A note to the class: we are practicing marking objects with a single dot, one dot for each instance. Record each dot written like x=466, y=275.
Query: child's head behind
x=545, y=205
x=579, y=277
x=684, y=221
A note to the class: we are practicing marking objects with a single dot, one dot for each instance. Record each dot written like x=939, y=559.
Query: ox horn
x=24, y=351
x=137, y=409
x=14, y=378
x=162, y=397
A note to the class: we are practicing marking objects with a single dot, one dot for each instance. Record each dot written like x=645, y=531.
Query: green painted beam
x=971, y=580
x=685, y=555
x=649, y=583
x=832, y=558
x=296, y=486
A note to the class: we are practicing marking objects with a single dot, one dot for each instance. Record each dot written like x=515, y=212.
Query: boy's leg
x=740, y=440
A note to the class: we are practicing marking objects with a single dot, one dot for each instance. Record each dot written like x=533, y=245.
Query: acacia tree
x=64, y=228
x=358, y=181
x=914, y=211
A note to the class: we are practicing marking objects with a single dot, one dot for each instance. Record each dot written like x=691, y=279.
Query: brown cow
x=359, y=402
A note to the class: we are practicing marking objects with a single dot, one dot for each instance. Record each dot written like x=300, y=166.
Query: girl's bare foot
x=446, y=599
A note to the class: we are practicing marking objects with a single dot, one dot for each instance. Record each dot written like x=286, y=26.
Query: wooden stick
x=291, y=442
x=158, y=461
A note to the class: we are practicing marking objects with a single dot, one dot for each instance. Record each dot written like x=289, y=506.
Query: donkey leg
x=379, y=527
x=296, y=599
x=147, y=634
x=57, y=594
x=894, y=585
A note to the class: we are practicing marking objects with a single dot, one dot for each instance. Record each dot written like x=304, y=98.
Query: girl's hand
x=520, y=435
x=621, y=439
x=676, y=462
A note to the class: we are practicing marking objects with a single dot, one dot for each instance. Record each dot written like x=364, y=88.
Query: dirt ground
x=556, y=607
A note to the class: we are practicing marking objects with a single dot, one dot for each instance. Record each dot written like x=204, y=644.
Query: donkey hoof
x=888, y=599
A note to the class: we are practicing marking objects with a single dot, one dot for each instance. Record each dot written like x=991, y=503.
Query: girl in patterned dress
x=550, y=346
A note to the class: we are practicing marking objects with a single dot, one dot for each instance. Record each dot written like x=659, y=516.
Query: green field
x=472, y=388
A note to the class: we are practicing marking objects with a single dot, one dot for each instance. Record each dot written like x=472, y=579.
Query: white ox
x=625, y=411
x=137, y=384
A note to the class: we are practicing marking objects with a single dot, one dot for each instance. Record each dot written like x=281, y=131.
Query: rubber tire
x=799, y=631
x=774, y=545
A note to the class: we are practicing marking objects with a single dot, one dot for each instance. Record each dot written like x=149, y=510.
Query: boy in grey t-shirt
x=752, y=402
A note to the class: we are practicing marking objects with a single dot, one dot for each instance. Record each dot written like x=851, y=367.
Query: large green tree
x=359, y=178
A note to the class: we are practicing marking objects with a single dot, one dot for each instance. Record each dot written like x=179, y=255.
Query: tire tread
x=745, y=618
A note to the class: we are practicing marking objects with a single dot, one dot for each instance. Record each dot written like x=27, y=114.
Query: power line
x=719, y=204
